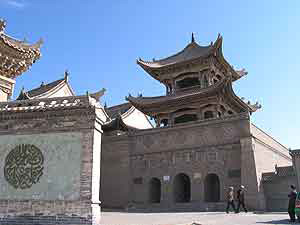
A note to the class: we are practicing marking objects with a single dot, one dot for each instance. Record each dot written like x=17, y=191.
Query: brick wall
x=276, y=192
x=84, y=209
x=114, y=192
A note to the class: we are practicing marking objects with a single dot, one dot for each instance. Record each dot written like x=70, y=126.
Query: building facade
x=203, y=141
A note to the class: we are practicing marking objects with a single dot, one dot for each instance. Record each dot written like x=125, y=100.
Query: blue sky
x=99, y=42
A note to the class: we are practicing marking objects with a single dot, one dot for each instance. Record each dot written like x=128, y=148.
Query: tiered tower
x=16, y=57
x=198, y=83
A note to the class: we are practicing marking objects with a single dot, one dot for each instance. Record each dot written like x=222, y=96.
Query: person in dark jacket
x=241, y=199
x=230, y=199
x=292, y=200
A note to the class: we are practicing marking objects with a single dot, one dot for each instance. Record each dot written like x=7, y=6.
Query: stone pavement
x=203, y=218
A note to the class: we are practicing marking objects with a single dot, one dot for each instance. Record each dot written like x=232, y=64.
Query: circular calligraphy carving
x=23, y=166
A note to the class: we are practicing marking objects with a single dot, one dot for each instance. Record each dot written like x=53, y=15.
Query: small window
x=164, y=122
x=208, y=114
x=205, y=81
x=188, y=82
x=230, y=112
x=219, y=114
x=222, y=107
x=186, y=118
x=138, y=180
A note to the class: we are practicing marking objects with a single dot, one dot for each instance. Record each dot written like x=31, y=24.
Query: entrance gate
x=154, y=190
x=212, y=188
x=182, y=188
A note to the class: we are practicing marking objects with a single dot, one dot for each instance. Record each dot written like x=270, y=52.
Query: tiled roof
x=57, y=103
x=149, y=105
x=18, y=55
x=295, y=152
x=283, y=171
x=40, y=90
x=191, y=51
x=44, y=88
x=117, y=124
x=114, y=111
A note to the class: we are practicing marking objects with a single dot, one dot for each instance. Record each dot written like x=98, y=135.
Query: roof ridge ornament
x=2, y=25
x=97, y=95
x=193, y=38
x=66, y=77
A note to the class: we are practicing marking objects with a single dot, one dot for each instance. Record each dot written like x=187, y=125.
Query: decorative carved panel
x=23, y=166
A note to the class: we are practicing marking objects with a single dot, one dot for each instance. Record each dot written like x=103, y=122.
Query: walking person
x=230, y=199
x=292, y=201
x=241, y=199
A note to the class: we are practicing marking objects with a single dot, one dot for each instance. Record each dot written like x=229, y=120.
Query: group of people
x=241, y=202
x=240, y=199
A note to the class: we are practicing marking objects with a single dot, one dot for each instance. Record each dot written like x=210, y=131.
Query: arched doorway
x=182, y=188
x=154, y=190
x=212, y=188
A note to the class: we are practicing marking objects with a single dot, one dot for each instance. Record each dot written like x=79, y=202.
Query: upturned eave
x=152, y=106
x=16, y=56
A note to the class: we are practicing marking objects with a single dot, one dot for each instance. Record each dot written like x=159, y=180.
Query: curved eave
x=147, y=104
x=152, y=67
x=20, y=57
x=22, y=47
x=248, y=107
x=23, y=96
x=235, y=74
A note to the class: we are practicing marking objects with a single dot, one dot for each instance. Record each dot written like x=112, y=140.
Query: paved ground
x=204, y=218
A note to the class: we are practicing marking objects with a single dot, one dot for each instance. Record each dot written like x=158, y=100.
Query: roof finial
x=105, y=105
x=66, y=75
x=2, y=25
x=193, y=38
x=42, y=84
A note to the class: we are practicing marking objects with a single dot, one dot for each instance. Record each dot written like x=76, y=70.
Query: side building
x=203, y=141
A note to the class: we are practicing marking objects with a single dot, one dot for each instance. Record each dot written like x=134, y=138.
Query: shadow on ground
x=285, y=221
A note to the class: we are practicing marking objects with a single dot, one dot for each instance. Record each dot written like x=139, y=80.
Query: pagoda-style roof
x=45, y=89
x=155, y=105
x=16, y=56
x=192, y=52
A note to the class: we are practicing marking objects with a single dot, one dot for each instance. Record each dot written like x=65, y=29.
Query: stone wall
x=276, y=192
x=260, y=153
x=232, y=148
x=114, y=192
x=268, y=153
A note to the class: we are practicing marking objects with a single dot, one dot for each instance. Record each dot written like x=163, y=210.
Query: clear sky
x=99, y=42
